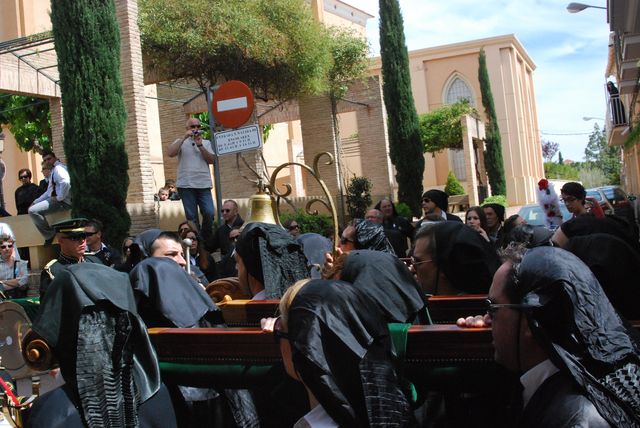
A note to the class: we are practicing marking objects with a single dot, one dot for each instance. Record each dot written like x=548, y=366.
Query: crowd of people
x=557, y=304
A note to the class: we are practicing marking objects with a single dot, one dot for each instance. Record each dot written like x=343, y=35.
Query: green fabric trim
x=399, y=335
x=221, y=375
x=31, y=306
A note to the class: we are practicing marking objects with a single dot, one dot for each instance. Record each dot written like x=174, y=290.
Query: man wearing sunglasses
x=26, y=193
x=195, y=154
x=72, y=239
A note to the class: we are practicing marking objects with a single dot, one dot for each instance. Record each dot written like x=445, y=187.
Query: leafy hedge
x=453, y=186
x=310, y=223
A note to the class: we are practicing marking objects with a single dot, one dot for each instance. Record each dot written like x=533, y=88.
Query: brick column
x=57, y=128
x=318, y=135
x=140, y=195
x=372, y=135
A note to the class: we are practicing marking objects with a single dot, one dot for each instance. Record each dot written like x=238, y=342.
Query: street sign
x=232, y=104
x=238, y=140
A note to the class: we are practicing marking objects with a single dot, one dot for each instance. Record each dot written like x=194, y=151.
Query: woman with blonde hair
x=333, y=339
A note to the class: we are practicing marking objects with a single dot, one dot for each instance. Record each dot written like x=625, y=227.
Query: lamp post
x=579, y=7
x=3, y=169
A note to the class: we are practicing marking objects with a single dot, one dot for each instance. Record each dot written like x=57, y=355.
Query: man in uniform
x=72, y=239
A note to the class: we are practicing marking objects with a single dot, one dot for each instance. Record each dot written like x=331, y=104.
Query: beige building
x=623, y=68
x=445, y=74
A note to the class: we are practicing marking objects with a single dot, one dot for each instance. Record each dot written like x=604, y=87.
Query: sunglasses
x=77, y=238
x=568, y=199
x=22, y=177
x=5, y=247
x=226, y=211
x=344, y=240
x=278, y=333
x=127, y=247
x=293, y=227
x=416, y=262
x=492, y=308
x=194, y=126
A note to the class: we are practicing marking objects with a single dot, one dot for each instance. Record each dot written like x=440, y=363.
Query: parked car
x=533, y=214
x=601, y=199
x=618, y=200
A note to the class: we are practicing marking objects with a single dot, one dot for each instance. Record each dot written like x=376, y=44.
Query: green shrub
x=358, y=197
x=404, y=210
x=310, y=223
x=496, y=199
x=453, y=186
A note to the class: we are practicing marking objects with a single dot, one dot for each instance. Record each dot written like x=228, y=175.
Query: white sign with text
x=238, y=140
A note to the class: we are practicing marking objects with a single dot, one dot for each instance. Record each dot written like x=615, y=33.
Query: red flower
x=543, y=184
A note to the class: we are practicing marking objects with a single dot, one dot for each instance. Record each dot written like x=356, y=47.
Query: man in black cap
x=552, y=322
x=436, y=201
x=72, y=239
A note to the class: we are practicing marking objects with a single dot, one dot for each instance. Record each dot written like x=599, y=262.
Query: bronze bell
x=262, y=209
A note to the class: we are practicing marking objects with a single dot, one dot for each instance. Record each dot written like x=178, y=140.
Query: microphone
x=186, y=242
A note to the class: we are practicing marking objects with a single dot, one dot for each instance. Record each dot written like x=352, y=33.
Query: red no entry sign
x=232, y=104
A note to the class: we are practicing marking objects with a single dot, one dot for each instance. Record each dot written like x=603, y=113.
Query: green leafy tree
x=358, y=197
x=600, y=155
x=560, y=158
x=441, y=128
x=453, y=186
x=28, y=119
x=405, y=144
x=592, y=177
x=554, y=170
x=275, y=46
x=88, y=49
x=493, y=155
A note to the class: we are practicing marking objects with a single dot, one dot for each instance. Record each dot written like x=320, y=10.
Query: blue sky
x=569, y=50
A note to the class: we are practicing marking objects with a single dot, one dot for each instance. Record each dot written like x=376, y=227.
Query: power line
x=566, y=133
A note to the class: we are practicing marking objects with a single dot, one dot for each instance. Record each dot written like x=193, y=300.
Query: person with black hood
x=334, y=340
x=616, y=266
x=365, y=235
x=436, y=201
x=167, y=296
x=552, y=322
x=388, y=282
x=450, y=258
x=112, y=377
x=269, y=260
x=397, y=228
x=495, y=217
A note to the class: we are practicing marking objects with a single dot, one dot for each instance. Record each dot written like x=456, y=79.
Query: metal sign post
x=216, y=161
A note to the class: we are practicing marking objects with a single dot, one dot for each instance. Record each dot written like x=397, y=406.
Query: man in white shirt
x=56, y=198
x=194, y=177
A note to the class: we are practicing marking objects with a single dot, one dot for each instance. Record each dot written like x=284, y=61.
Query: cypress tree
x=87, y=43
x=493, y=154
x=404, y=128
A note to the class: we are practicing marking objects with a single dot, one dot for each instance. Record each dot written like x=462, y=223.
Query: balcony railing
x=616, y=119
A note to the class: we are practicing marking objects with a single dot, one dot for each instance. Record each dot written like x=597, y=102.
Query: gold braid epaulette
x=48, y=266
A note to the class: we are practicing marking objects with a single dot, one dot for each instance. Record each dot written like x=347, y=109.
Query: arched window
x=458, y=90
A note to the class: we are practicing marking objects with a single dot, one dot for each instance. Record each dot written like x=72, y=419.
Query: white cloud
x=570, y=51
